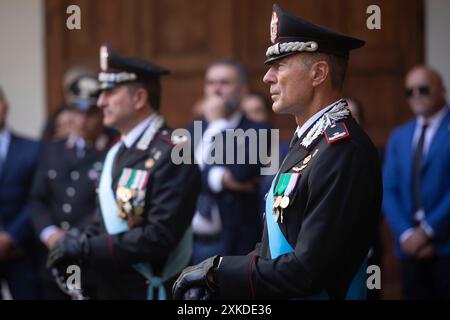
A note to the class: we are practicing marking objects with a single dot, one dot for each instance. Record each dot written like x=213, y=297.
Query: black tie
x=117, y=160
x=418, y=157
x=294, y=140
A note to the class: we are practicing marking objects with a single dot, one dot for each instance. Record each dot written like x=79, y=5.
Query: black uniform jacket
x=170, y=198
x=63, y=192
x=330, y=223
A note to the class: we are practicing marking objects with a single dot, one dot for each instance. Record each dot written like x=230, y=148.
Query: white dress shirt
x=5, y=139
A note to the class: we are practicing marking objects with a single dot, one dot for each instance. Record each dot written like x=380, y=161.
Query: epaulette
x=337, y=112
x=336, y=132
x=165, y=138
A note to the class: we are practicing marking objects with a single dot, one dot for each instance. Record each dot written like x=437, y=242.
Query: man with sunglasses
x=417, y=188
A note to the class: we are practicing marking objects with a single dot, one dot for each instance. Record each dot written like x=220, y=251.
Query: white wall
x=437, y=39
x=22, y=68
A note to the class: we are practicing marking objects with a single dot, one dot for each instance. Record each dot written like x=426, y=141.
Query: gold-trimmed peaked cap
x=291, y=35
x=117, y=69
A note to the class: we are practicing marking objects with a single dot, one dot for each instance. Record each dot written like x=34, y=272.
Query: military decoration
x=284, y=190
x=130, y=193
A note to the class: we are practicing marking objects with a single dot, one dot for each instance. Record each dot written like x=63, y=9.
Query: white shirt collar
x=234, y=120
x=301, y=130
x=433, y=125
x=5, y=132
x=5, y=138
x=219, y=125
x=435, y=120
x=130, y=138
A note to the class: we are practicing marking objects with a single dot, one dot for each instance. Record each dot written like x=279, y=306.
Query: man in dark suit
x=227, y=221
x=18, y=159
x=63, y=198
x=323, y=206
x=417, y=188
x=146, y=201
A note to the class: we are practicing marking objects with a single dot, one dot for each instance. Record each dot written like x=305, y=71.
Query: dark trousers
x=426, y=279
x=126, y=285
x=21, y=279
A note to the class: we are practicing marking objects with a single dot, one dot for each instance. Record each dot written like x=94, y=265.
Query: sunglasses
x=423, y=91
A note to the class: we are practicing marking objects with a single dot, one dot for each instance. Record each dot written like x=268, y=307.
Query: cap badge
x=274, y=27
x=103, y=58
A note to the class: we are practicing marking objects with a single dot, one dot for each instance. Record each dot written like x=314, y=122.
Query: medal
x=121, y=215
x=149, y=163
x=138, y=210
x=284, y=202
x=276, y=214
x=277, y=202
x=126, y=195
x=306, y=160
x=291, y=185
x=279, y=190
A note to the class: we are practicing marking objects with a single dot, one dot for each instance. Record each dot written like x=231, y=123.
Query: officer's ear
x=319, y=72
x=140, y=98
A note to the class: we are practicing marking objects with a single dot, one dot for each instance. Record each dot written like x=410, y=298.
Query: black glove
x=195, y=277
x=198, y=294
x=69, y=250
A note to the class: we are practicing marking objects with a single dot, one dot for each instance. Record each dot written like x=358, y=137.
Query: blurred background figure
x=66, y=120
x=256, y=108
x=227, y=220
x=60, y=124
x=357, y=111
x=417, y=188
x=63, y=196
x=259, y=109
x=18, y=159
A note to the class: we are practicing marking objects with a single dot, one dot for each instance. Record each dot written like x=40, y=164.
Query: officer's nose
x=101, y=101
x=270, y=77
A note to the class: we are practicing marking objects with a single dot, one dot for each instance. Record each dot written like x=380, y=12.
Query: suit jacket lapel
x=441, y=135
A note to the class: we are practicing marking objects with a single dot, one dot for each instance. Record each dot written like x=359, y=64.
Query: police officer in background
x=146, y=201
x=63, y=198
x=323, y=205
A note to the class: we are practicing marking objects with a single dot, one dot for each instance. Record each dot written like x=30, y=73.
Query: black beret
x=117, y=69
x=290, y=35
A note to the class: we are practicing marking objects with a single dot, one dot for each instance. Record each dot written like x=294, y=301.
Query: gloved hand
x=69, y=249
x=195, y=277
x=198, y=294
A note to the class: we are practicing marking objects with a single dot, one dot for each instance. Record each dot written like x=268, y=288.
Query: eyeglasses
x=423, y=91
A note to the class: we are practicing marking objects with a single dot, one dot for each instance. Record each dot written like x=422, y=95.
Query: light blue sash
x=178, y=258
x=277, y=241
x=106, y=196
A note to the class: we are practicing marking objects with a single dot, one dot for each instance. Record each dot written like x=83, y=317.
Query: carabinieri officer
x=146, y=201
x=322, y=209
